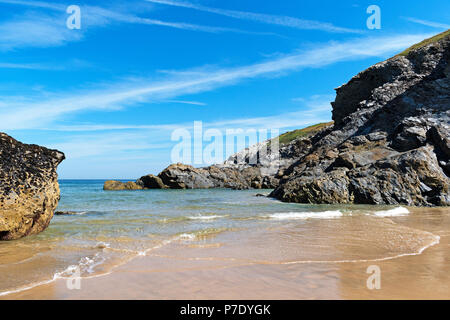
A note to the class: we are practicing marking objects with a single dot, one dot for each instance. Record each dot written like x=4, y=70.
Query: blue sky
x=110, y=94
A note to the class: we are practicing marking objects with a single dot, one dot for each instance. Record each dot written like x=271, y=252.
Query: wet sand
x=278, y=263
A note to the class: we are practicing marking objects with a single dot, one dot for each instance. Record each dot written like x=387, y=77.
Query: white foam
x=204, y=217
x=396, y=212
x=187, y=236
x=85, y=264
x=305, y=215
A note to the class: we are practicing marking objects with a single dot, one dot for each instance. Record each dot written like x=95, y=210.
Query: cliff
x=29, y=190
x=391, y=140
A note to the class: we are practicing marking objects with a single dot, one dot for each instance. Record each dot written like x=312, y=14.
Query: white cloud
x=49, y=29
x=429, y=23
x=35, y=30
x=195, y=103
x=71, y=64
x=6, y=65
x=36, y=4
x=42, y=112
x=263, y=18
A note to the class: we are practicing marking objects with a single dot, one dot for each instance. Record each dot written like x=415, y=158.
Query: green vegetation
x=425, y=42
x=287, y=137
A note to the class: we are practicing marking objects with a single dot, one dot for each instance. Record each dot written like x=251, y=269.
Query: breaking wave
x=305, y=215
x=396, y=212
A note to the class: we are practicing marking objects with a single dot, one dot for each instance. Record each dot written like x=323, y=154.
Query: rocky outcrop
x=29, y=190
x=179, y=176
x=391, y=139
x=256, y=167
x=112, y=185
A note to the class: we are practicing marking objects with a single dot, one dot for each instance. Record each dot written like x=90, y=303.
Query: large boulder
x=390, y=143
x=29, y=190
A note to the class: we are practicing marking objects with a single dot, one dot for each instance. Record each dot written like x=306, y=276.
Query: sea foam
x=305, y=215
x=205, y=217
x=396, y=212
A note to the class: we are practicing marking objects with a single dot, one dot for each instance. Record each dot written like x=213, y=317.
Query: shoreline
x=136, y=277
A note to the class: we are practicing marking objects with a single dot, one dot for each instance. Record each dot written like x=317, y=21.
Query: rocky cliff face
x=391, y=140
x=29, y=190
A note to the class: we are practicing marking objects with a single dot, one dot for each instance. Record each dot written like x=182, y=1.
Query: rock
x=29, y=190
x=112, y=185
x=180, y=176
x=392, y=136
x=151, y=182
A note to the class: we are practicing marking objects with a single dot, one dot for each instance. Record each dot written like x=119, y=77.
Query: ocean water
x=107, y=229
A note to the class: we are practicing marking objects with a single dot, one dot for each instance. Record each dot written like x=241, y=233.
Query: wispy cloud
x=71, y=64
x=35, y=30
x=36, y=4
x=40, y=112
x=195, y=103
x=46, y=29
x=428, y=23
x=5, y=65
x=285, y=21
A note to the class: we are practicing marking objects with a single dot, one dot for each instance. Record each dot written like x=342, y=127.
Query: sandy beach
x=238, y=265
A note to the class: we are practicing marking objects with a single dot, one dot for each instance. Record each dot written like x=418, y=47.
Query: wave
x=211, y=217
x=85, y=269
x=305, y=215
x=419, y=251
x=188, y=218
x=187, y=236
x=86, y=265
x=70, y=213
x=396, y=212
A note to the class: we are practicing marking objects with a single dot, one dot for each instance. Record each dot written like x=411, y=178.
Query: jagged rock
x=391, y=133
x=29, y=190
x=112, y=185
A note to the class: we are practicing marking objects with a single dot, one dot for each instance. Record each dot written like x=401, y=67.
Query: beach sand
x=227, y=267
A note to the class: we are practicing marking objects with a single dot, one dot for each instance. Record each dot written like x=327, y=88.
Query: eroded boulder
x=29, y=190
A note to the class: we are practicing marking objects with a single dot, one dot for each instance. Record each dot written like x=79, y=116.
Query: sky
x=111, y=93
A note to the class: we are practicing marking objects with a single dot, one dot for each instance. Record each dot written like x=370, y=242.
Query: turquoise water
x=109, y=228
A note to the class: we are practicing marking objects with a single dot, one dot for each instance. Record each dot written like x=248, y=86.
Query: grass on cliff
x=425, y=42
x=287, y=137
